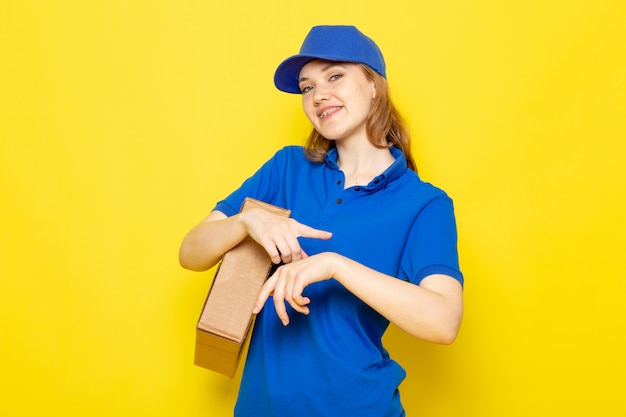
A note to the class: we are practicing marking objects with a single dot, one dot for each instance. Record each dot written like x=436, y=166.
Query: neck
x=361, y=164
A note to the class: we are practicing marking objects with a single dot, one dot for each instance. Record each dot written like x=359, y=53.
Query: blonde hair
x=385, y=126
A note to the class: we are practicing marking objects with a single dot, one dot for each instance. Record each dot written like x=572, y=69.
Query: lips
x=328, y=111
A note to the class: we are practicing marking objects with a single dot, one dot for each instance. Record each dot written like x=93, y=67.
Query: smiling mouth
x=329, y=112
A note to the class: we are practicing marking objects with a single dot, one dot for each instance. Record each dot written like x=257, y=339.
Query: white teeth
x=329, y=112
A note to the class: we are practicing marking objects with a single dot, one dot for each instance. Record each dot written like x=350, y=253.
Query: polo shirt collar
x=392, y=173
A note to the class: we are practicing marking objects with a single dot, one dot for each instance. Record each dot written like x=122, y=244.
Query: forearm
x=278, y=235
x=431, y=311
x=205, y=244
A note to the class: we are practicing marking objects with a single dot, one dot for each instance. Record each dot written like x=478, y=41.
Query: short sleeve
x=262, y=185
x=431, y=246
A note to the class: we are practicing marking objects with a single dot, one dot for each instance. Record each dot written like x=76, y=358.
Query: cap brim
x=287, y=75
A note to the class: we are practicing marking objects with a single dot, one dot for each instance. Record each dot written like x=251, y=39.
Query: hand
x=290, y=280
x=279, y=235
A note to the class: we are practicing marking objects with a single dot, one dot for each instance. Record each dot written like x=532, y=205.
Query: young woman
x=367, y=243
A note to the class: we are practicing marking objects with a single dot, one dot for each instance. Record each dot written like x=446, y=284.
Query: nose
x=321, y=93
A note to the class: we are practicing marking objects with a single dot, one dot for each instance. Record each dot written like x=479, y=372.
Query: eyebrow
x=325, y=68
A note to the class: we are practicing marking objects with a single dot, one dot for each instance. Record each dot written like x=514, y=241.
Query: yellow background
x=123, y=122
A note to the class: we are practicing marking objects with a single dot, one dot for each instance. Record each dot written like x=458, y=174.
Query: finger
x=285, y=250
x=272, y=251
x=293, y=295
x=310, y=232
x=266, y=291
x=300, y=304
x=295, y=250
x=289, y=249
x=279, y=302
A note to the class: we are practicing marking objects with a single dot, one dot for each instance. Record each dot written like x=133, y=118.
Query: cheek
x=309, y=110
x=365, y=101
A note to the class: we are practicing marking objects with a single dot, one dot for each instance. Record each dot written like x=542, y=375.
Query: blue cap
x=330, y=43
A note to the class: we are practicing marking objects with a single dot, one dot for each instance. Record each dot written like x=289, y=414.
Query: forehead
x=320, y=65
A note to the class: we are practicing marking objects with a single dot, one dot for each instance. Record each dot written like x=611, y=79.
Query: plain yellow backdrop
x=123, y=122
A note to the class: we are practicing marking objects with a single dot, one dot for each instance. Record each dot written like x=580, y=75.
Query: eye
x=335, y=77
x=305, y=89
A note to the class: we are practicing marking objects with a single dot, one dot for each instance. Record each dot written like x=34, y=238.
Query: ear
x=373, y=90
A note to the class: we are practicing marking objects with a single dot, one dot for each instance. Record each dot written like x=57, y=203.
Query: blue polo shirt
x=331, y=362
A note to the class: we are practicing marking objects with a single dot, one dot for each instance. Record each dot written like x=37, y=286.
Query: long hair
x=385, y=126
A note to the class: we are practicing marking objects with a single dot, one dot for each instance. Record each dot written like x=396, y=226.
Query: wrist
x=337, y=266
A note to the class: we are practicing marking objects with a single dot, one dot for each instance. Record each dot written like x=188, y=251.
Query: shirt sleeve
x=262, y=185
x=431, y=246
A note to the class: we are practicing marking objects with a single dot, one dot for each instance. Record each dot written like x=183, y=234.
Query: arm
x=431, y=311
x=205, y=244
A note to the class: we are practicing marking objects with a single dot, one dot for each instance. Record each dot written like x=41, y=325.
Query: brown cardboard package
x=226, y=319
